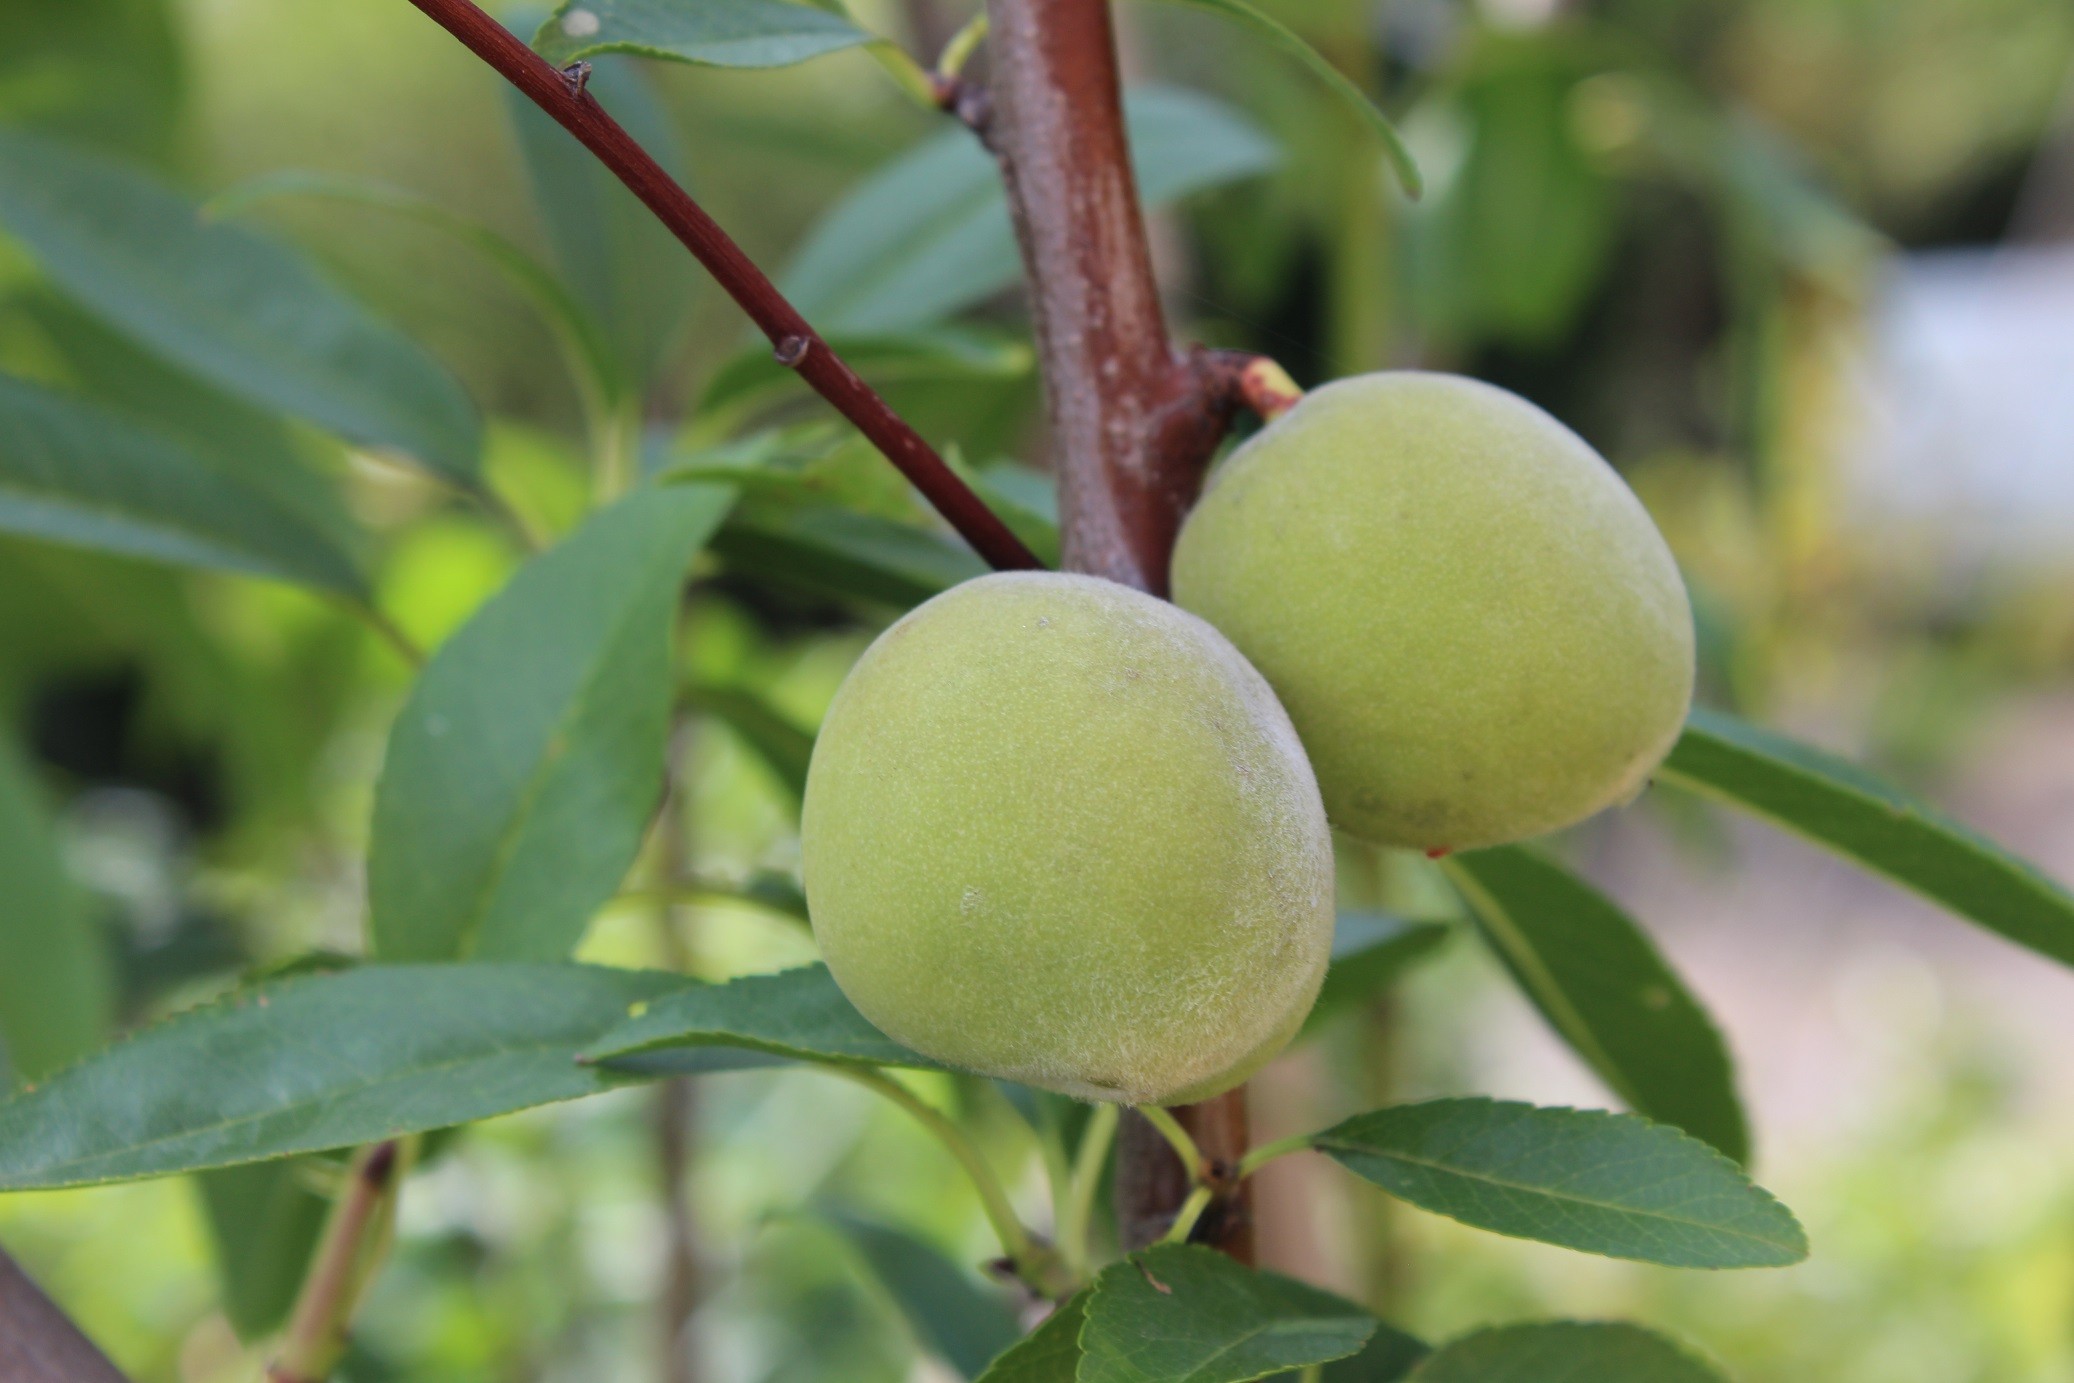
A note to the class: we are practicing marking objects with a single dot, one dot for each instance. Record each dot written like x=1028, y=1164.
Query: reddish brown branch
x=1133, y=421
x=798, y=345
x=38, y=1342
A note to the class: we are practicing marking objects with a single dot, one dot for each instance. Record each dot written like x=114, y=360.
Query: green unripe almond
x=1475, y=626
x=1061, y=832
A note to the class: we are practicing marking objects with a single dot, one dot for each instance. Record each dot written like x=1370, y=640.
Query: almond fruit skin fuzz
x=1471, y=619
x=1061, y=832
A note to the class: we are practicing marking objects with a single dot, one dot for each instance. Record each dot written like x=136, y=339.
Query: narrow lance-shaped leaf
x=1845, y=809
x=1390, y=1355
x=523, y=770
x=715, y=33
x=953, y=1315
x=1048, y=1354
x=1601, y=1183
x=73, y=473
x=1180, y=1313
x=57, y=988
x=844, y=555
x=1602, y=985
x=264, y=1220
x=319, y=1062
x=581, y=335
x=231, y=305
x=783, y=746
x=1337, y=82
x=929, y=234
x=1369, y=951
x=1564, y=1352
x=797, y=1014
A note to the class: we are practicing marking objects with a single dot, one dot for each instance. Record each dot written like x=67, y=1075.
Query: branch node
x=577, y=78
x=793, y=350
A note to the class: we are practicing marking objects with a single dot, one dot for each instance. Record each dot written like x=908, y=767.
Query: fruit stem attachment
x=1191, y=1210
x=1179, y=1139
x=1259, y=1157
x=797, y=344
x=1035, y=1263
x=1267, y=389
x=1079, y=1204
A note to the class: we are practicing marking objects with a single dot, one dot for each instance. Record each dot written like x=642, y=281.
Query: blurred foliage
x=1658, y=218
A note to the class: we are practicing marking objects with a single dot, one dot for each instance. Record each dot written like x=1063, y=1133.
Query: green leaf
x=1391, y=1355
x=522, y=773
x=57, y=985
x=1602, y=985
x=843, y=555
x=264, y=1220
x=929, y=233
x=1048, y=1354
x=1845, y=809
x=75, y=474
x=109, y=71
x=1180, y=1313
x=782, y=745
x=1612, y=1184
x=715, y=33
x=955, y=1317
x=1369, y=951
x=621, y=263
x=937, y=355
x=1564, y=1352
x=234, y=307
x=581, y=335
x=251, y=445
x=797, y=1015
x=318, y=1062
x=1337, y=82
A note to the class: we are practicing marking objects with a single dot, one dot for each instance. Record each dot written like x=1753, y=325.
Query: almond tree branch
x=562, y=95
x=1134, y=423
x=38, y=1342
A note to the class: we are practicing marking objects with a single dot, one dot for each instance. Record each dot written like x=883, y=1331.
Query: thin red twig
x=798, y=345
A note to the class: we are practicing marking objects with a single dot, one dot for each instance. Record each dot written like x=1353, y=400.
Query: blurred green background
x=1803, y=269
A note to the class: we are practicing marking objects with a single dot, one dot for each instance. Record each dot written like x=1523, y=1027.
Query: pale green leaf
x=1564, y=1352
x=57, y=983
x=955, y=1317
x=1611, y=1184
x=522, y=773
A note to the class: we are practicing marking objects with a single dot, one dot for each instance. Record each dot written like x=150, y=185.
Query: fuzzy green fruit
x=1061, y=832
x=1475, y=626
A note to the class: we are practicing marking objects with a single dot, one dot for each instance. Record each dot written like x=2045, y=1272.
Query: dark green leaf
x=782, y=745
x=939, y=355
x=1369, y=951
x=264, y=1220
x=1601, y=1183
x=1180, y=1313
x=1601, y=984
x=621, y=263
x=109, y=71
x=717, y=33
x=232, y=306
x=72, y=473
x=250, y=445
x=843, y=555
x=955, y=1317
x=319, y=1062
x=522, y=773
x=1391, y=1355
x=799, y=1015
x=1842, y=807
x=1048, y=1354
x=580, y=333
x=929, y=234
x=1564, y=1352
x=57, y=987
x=1337, y=82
